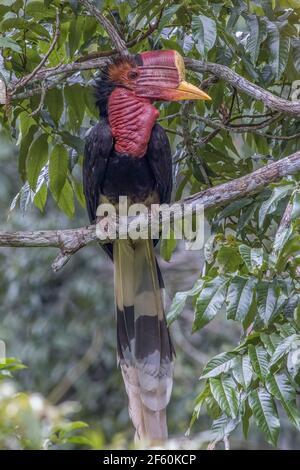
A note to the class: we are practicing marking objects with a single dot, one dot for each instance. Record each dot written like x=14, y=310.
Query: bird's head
x=156, y=75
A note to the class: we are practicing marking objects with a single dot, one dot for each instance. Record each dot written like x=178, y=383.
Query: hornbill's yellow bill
x=128, y=154
x=157, y=75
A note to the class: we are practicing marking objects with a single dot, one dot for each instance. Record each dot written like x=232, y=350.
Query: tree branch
x=188, y=141
x=107, y=25
x=131, y=43
x=242, y=84
x=270, y=100
x=69, y=241
x=241, y=128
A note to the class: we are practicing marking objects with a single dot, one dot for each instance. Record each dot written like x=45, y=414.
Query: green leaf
x=66, y=200
x=224, y=392
x=79, y=440
x=233, y=208
x=40, y=197
x=257, y=34
x=253, y=258
x=72, y=141
x=223, y=427
x=296, y=53
x=11, y=364
x=267, y=298
x=198, y=405
x=279, y=46
x=293, y=363
x=246, y=415
x=167, y=246
x=78, y=189
x=242, y=371
x=283, y=349
x=179, y=301
x=55, y=103
x=265, y=414
x=270, y=205
x=58, y=169
x=282, y=236
x=270, y=341
x=210, y=301
x=70, y=427
x=37, y=158
x=296, y=206
x=205, y=33
x=23, y=153
x=76, y=105
x=239, y=297
x=259, y=360
x=228, y=259
x=26, y=122
x=75, y=32
x=280, y=387
x=9, y=43
x=221, y=363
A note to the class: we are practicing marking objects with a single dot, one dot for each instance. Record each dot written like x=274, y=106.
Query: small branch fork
x=69, y=241
x=131, y=43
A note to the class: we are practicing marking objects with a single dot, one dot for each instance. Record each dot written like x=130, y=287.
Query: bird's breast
x=128, y=176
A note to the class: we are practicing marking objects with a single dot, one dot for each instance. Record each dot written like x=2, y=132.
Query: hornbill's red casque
x=128, y=154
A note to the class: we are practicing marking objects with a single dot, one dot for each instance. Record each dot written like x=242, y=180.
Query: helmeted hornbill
x=128, y=154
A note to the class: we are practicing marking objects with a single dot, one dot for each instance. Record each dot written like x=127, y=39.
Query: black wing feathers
x=160, y=160
x=98, y=147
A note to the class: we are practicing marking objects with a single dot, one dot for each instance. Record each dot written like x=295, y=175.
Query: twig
x=41, y=104
x=237, y=128
x=131, y=43
x=69, y=241
x=186, y=346
x=115, y=37
x=272, y=101
x=251, y=116
x=214, y=133
x=188, y=141
x=242, y=84
x=30, y=76
x=79, y=369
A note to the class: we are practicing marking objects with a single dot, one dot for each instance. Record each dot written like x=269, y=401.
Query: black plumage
x=144, y=347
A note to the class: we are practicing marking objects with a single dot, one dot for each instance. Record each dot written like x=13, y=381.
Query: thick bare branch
x=242, y=84
x=272, y=101
x=69, y=241
x=116, y=39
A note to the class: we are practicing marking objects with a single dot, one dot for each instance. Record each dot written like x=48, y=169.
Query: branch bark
x=69, y=241
x=242, y=84
x=270, y=100
x=131, y=43
x=115, y=37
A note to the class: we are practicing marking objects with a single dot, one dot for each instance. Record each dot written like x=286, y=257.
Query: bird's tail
x=144, y=346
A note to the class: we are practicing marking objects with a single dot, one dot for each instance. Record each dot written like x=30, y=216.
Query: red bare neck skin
x=131, y=119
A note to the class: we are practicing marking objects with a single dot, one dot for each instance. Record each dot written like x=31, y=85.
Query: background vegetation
x=61, y=325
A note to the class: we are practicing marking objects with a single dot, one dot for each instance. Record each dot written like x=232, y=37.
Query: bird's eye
x=132, y=74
